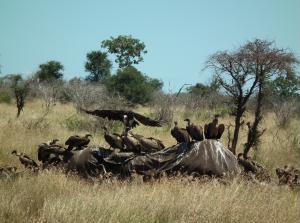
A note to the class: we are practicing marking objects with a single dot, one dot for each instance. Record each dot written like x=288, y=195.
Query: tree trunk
x=254, y=133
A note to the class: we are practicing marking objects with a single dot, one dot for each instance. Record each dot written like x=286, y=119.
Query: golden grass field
x=52, y=196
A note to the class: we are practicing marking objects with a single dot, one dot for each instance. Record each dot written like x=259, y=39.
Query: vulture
x=77, y=141
x=130, y=141
x=113, y=139
x=196, y=132
x=47, y=150
x=180, y=134
x=25, y=160
x=52, y=142
x=249, y=164
x=139, y=143
x=129, y=118
x=151, y=144
x=213, y=130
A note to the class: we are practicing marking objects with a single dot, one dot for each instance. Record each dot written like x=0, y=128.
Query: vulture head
x=215, y=121
x=187, y=120
x=175, y=123
x=88, y=135
x=14, y=152
x=104, y=128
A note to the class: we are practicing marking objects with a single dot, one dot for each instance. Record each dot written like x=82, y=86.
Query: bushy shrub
x=5, y=97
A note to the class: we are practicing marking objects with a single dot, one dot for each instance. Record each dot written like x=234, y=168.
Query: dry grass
x=54, y=197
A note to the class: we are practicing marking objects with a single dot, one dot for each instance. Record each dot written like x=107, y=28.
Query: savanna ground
x=51, y=196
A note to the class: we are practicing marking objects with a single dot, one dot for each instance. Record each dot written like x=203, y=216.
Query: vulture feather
x=134, y=118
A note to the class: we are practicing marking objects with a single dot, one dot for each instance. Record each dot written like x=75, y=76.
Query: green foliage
x=200, y=89
x=285, y=87
x=127, y=50
x=5, y=97
x=133, y=85
x=51, y=70
x=98, y=65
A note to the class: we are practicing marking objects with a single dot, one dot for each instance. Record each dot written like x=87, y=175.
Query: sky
x=179, y=35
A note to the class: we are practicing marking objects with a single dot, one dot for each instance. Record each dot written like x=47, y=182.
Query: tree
x=51, y=70
x=268, y=62
x=133, y=85
x=232, y=72
x=128, y=50
x=244, y=72
x=20, y=89
x=98, y=65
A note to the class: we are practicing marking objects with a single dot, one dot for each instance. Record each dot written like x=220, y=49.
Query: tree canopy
x=133, y=85
x=51, y=70
x=98, y=65
x=244, y=72
x=128, y=50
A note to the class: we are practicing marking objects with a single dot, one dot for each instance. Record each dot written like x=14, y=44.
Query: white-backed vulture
x=25, y=159
x=180, y=134
x=113, y=139
x=213, y=130
x=77, y=141
x=196, y=132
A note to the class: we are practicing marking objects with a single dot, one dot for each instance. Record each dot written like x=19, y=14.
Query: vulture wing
x=221, y=129
x=134, y=118
x=146, y=120
x=109, y=114
x=72, y=139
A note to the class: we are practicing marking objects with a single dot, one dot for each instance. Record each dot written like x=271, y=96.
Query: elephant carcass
x=210, y=157
x=205, y=157
x=89, y=161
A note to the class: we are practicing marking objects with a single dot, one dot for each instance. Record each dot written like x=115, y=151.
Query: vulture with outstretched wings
x=129, y=118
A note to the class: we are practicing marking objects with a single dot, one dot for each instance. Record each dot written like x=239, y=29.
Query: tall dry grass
x=54, y=197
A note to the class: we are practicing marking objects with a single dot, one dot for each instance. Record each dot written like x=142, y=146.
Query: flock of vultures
x=77, y=155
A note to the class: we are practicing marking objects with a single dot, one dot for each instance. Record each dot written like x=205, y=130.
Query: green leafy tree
x=20, y=89
x=133, y=85
x=49, y=71
x=128, y=50
x=98, y=65
x=202, y=89
x=284, y=87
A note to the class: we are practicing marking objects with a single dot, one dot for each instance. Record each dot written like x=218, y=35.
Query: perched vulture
x=196, y=132
x=213, y=130
x=25, y=160
x=113, y=139
x=180, y=134
x=77, y=141
x=130, y=119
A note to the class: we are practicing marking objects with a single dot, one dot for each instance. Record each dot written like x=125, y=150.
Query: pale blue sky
x=179, y=35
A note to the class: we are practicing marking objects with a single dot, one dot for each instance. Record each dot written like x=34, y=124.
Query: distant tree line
x=245, y=78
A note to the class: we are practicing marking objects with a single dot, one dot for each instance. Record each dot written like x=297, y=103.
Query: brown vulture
x=180, y=134
x=25, y=159
x=130, y=141
x=196, y=132
x=151, y=144
x=113, y=139
x=48, y=150
x=77, y=141
x=213, y=130
x=129, y=118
